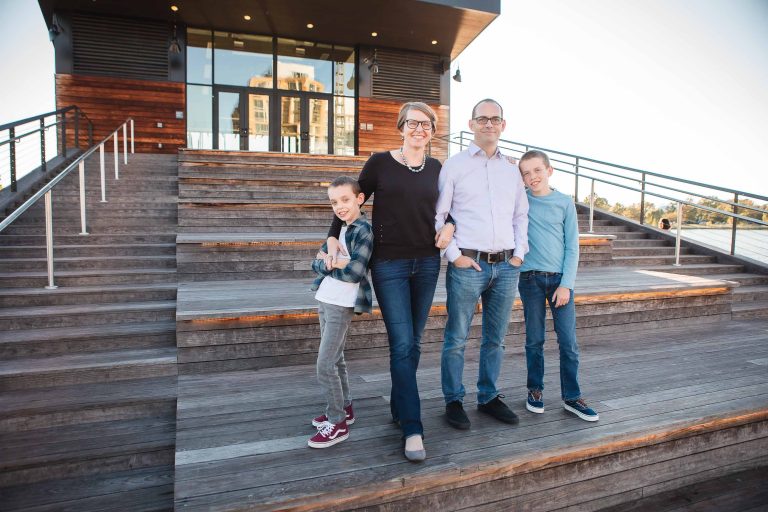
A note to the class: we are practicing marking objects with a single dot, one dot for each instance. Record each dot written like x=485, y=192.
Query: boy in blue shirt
x=547, y=276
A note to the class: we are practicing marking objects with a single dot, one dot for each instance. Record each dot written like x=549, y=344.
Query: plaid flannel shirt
x=359, y=240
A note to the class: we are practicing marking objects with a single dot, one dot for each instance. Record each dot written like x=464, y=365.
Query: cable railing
x=582, y=168
x=46, y=192
x=32, y=143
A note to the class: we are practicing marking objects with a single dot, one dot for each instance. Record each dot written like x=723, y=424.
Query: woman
x=406, y=261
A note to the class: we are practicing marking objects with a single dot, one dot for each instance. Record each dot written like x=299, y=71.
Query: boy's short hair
x=347, y=180
x=535, y=153
x=421, y=107
x=488, y=100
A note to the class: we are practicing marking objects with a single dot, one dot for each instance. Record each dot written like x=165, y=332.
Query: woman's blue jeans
x=404, y=290
x=536, y=290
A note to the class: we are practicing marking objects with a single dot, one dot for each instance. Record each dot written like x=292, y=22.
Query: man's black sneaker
x=457, y=418
x=498, y=410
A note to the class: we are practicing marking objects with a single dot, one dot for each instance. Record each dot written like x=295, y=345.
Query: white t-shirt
x=333, y=291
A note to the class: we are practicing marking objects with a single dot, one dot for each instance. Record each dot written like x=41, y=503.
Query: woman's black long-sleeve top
x=404, y=207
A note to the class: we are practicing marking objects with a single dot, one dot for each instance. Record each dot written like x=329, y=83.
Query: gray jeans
x=331, y=367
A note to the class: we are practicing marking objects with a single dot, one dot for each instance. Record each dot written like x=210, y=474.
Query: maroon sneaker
x=323, y=418
x=329, y=434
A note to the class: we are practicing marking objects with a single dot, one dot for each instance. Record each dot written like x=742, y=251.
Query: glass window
x=304, y=66
x=199, y=117
x=199, y=56
x=344, y=71
x=343, y=126
x=243, y=60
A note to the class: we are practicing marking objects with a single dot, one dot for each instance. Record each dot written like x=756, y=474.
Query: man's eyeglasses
x=495, y=120
x=425, y=125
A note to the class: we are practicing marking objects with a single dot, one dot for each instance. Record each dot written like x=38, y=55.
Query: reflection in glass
x=199, y=117
x=199, y=56
x=243, y=60
x=229, y=120
x=258, y=122
x=290, y=124
x=344, y=71
x=318, y=126
x=343, y=126
x=304, y=66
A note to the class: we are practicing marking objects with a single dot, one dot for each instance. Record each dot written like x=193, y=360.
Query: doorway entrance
x=250, y=119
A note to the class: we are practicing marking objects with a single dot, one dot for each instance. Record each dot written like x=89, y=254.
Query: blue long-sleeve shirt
x=553, y=236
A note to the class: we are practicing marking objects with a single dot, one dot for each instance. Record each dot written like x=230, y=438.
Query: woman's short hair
x=421, y=107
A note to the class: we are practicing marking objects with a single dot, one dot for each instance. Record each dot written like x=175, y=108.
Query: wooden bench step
x=89, y=250
x=69, y=340
x=86, y=314
x=89, y=262
x=107, y=366
x=749, y=310
x=88, y=277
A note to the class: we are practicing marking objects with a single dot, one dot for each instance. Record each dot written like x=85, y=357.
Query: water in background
x=751, y=243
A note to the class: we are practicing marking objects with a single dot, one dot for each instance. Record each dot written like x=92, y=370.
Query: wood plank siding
x=108, y=101
x=382, y=114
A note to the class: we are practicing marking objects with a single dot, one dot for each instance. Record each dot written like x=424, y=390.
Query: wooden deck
x=693, y=398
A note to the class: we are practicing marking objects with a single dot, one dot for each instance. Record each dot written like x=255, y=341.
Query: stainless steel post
x=734, y=223
x=679, y=231
x=576, y=181
x=49, y=239
x=117, y=175
x=125, y=144
x=103, y=172
x=592, y=208
x=82, y=198
x=132, y=151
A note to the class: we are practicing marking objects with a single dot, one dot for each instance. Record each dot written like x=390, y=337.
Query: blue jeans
x=404, y=290
x=536, y=290
x=495, y=285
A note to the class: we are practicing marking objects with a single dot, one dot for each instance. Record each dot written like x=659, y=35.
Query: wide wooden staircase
x=123, y=390
x=88, y=370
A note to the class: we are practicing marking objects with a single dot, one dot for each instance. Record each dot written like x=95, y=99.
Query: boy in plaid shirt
x=342, y=290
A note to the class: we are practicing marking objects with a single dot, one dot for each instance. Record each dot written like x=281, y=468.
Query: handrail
x=468, y=136
x=61, y=120
x=46, y=191
x=578, y=166
x=37, y=117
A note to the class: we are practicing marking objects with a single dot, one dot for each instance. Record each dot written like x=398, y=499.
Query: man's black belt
x=489, y=257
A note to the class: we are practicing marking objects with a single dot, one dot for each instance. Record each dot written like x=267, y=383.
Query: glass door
x=305, y=124
x=241, y=120
x=318, y=126
x=291, y=124
x=228, y=120
x=258, y=122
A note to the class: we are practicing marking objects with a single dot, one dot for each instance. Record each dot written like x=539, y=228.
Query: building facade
x=288, y=76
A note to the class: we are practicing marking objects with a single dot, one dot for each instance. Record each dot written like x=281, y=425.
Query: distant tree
x=600, y=202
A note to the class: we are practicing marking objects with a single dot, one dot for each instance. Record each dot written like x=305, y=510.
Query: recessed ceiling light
x=174, y=8
x=374, y=34
x=310, y=25
x=434, y=41
x=247, y=17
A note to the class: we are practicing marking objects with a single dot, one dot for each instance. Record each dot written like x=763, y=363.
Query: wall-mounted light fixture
x=55, y=29
x=175, y=47
x=457, y=75
x=374, y=65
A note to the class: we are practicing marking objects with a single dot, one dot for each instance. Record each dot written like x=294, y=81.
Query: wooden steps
x=88, y=370
x=239, y=325
x=241, y=444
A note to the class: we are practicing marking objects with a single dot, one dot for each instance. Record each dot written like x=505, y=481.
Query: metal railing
x=47, y=190
x=607, y=173
x=25, y=145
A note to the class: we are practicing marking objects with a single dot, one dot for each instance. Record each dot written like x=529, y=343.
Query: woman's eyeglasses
x=425, y=125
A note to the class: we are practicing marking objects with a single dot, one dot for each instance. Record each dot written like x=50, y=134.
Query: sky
x=677, y=87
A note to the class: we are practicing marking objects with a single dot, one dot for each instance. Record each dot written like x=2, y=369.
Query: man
x=483, y=192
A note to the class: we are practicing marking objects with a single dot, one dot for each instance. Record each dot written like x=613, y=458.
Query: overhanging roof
x=405, y=24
